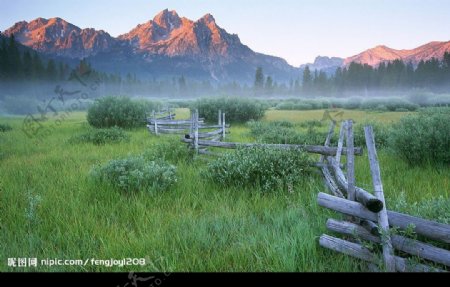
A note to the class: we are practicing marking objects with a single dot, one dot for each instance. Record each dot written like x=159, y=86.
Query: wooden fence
x=367, y=219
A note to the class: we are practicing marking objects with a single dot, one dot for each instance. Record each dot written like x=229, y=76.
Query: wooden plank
x=358, y=251
x=172, y=122
x=328, y=139
x=340, y=142
x=388, y=251
x=219, y=120
x=196, y=131
x=307, y=148
x=346, y=247
x=362, y=196
x=427, y=228
x=407, y=245
x=329, y=182
x=223, y=126
x=350, y=163
x=370, y=226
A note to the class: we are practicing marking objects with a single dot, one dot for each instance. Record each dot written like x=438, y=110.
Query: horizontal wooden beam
x=358, y=251
x=427, y=228
x=407, y=245
x=308, y=148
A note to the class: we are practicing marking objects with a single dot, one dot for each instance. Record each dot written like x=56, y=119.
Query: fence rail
x=368, y=219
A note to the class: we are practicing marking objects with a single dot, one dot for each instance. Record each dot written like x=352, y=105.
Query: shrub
x=423, y=137
x=312, y=124
x=116, y=111
x=134, y=173
x=353, y=103
x=260, y=167
x=394, y=104
x=297, y=106
x=437, y=209
x=285, y=133
x=102, y=136
x=169, y=150
x=236, y=109
x=381, y=132
x=150, y=106
x=5, y=128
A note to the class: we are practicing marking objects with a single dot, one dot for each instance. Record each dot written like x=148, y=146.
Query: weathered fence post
x=340, y=142
x=219, y=122
x=155, y=123
x=350, y=162
x=328, y=139
x=196, y=131
x=223, y=126
x=388, y=252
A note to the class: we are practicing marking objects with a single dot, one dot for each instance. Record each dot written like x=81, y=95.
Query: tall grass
x=50, y=209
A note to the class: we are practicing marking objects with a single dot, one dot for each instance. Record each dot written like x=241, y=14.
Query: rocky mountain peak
x=167, y=19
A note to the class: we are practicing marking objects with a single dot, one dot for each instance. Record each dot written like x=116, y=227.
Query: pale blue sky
x=293, y=29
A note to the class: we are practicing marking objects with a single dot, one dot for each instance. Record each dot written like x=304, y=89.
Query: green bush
x=423, y=137
x=150, y=106
x=170, y=150
x=102, y=136
x=237, y=110
x=134, y=173
x=116, y=111
x=381, y=132
x=285, y=133
x=436, y=209
x=394, y=104
x=261, y=167
x=5, y=128
x=312, y=124
x=353, y=103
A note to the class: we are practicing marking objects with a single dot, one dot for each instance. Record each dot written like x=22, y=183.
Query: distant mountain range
x=381, y=53
x=170, y=46
x=327, y=64
x=166, y=46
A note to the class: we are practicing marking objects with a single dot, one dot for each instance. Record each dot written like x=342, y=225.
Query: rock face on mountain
x=168, y=45
x=169, y=35
x=326, y=64
x=58, y=37
x=380, y=54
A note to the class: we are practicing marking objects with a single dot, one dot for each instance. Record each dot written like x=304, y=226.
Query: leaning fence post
x=388, y=252
x=340, y=142
x=223, y=126
x=219, y=122
x=350, y=162
x=155, y=123
x=328, y=139
x=196, y=131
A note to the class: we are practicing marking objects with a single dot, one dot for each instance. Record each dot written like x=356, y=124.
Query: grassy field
x=49, y=208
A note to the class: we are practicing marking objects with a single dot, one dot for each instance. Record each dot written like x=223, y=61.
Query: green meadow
x=51, y=208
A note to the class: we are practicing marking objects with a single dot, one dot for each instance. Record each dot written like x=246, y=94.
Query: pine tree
x=259, y=79
x=307, y=80
x=27, y=65
x=15, y=63
x=51, y=70
x=269, y=85
x=3, y=59
x=38, y=67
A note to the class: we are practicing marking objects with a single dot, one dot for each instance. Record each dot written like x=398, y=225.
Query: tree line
x=433, y=75
x=27, y=65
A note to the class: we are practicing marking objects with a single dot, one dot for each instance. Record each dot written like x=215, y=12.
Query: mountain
x=381, y=53
x=326, y=64
x=167, y=46
x=56, y=36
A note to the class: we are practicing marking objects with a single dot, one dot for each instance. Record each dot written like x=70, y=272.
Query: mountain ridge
x=165, y=46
